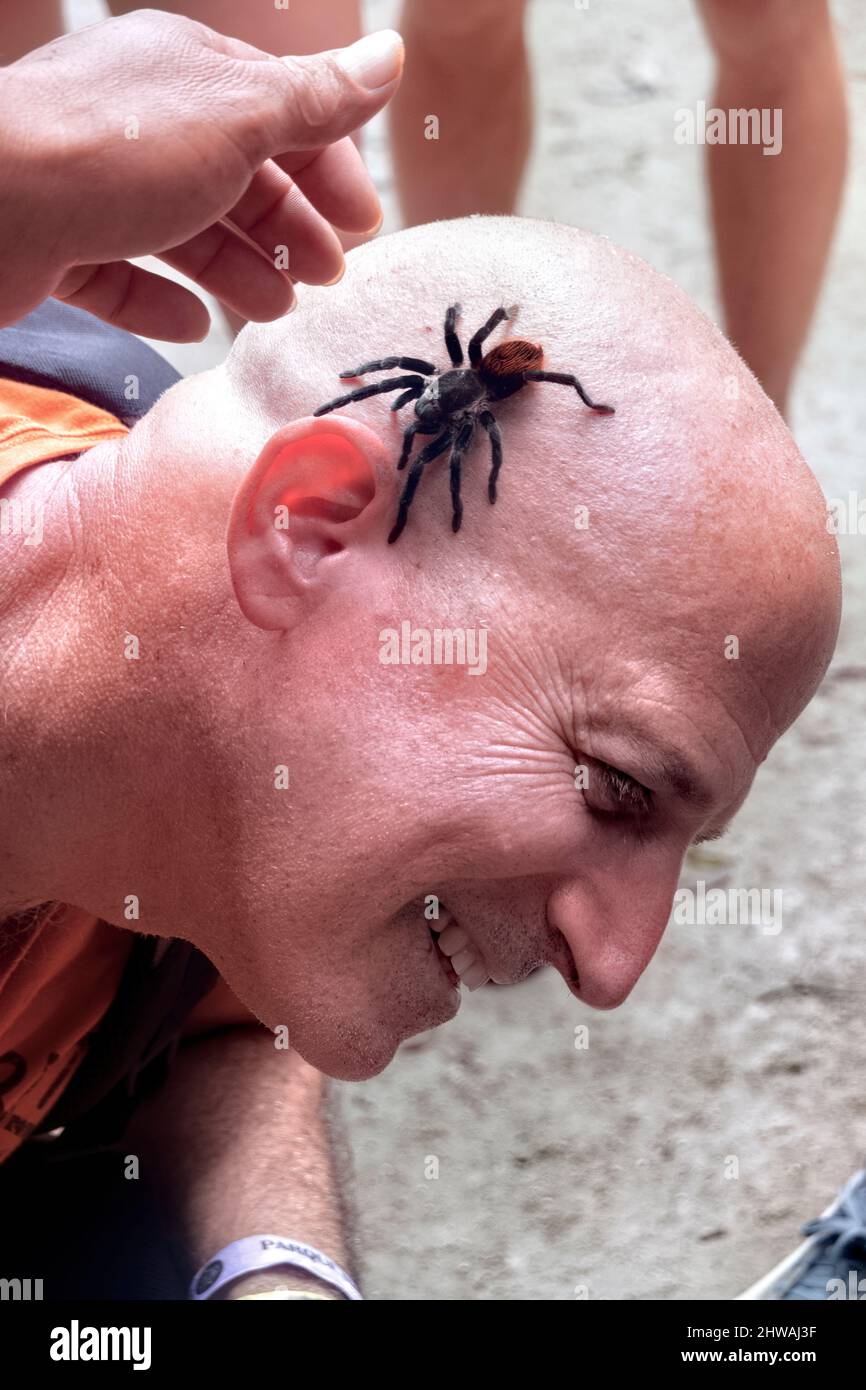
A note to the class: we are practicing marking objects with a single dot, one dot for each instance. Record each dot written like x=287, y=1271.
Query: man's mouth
x=459, y=958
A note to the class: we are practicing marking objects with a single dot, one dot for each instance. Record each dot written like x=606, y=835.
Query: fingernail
x=374, y=60
x=338, y=277
x=371, y=231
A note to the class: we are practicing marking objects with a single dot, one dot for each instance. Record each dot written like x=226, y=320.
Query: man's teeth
x=465, y=959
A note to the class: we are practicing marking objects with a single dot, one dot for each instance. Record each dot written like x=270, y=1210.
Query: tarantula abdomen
x=514, y=355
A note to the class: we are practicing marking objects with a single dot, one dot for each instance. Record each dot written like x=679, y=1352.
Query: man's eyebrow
x=672, y=769
x=667, y=766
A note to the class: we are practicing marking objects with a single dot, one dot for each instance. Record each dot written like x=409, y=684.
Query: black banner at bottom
x=160, y=1338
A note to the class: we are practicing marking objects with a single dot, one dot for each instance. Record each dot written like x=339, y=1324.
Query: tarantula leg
x=431, y=451
x=411, y=395
x=568, y=379
x=452, y=342
x=484, y=332
x=461, y=444
x=383, y=364
x=416, y=427
x=394, y=383
x=488, y=420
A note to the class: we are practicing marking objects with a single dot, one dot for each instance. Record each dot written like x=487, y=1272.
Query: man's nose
x=612, y=922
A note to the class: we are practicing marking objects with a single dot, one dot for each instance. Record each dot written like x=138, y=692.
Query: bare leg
x=307, y=26
x=28, y=26
x=466, y=65
x=774, y=215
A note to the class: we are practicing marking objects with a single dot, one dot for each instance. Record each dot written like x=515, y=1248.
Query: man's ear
x=316, y=488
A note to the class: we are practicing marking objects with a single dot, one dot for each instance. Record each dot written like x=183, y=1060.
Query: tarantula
x=455, y=401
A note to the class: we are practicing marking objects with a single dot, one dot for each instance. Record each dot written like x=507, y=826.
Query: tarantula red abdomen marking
x=514, y=355
x=452, y=402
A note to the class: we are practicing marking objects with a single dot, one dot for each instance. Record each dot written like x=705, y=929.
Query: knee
x=744, y=31
x=453, y=21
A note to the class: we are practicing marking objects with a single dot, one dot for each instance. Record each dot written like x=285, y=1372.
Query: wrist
x=269, y=1280
x=270, y=1256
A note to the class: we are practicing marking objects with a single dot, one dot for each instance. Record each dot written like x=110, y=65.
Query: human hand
x=153, y=134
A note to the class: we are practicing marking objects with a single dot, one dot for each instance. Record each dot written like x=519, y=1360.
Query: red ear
x=314, y=490
x=322, y=475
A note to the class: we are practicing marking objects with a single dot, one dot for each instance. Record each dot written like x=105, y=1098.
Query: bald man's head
x=695, y=484
x=522, y=725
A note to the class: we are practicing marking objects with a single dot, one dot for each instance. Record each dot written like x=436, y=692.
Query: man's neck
x=121, y=656
x=56, y=679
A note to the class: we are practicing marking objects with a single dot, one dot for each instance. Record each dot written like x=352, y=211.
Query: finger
x=275, y=214
x=309, y=102
x=337, y=183
x=223, y=262
x=133, y=298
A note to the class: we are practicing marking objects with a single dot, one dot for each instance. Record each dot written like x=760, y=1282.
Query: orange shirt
x=59, y=967
x=37, y=424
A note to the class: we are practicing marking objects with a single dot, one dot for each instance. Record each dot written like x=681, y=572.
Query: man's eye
x=626, y=794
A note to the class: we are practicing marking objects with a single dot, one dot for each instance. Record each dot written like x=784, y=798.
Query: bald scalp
x=693, y=494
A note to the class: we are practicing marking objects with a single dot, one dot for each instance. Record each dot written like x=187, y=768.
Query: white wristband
x=253, y=1253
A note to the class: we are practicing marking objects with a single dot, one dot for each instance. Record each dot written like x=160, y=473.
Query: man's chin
x=356, y=1060
x=352, y=1035
x=357, y=1069
x=352, y=1062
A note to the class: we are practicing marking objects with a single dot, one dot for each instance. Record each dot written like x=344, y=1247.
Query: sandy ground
x=603, y=1172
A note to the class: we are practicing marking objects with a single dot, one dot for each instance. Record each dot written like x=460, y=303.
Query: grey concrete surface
x=601, y=1173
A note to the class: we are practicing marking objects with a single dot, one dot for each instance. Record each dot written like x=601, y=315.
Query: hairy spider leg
x=484, y=332
x=459, y=447
x=384, y=364
x=452, y=342
x=411, y=395
x=488, y=420
x=394, y=383
x=568, y=379
x=416, y=427
x=431, y=451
